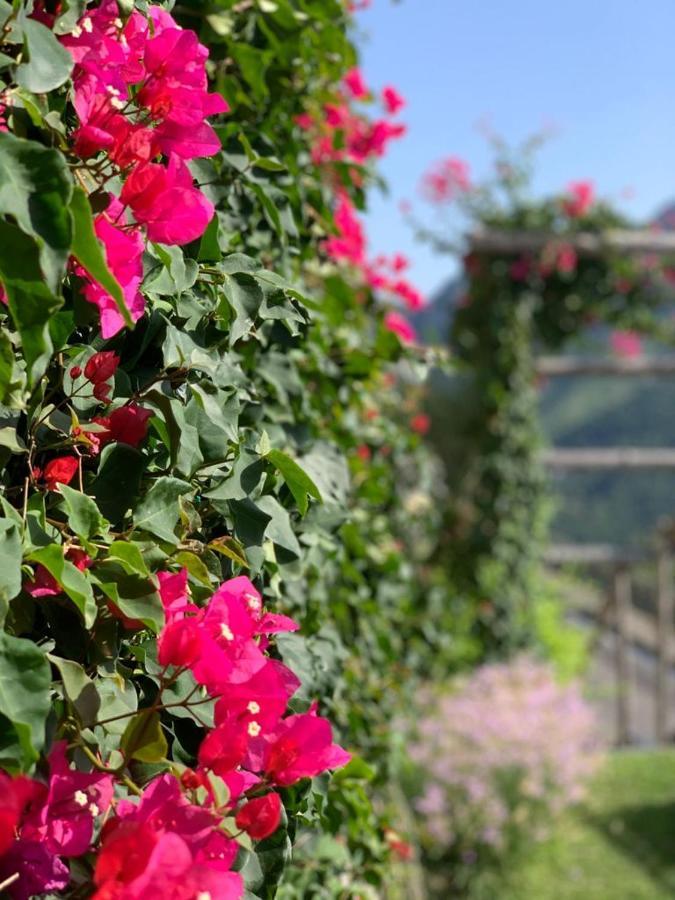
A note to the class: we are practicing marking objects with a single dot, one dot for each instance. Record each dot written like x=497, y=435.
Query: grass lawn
x=620, y=845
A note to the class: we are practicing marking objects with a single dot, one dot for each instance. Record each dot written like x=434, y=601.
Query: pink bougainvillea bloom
x=350, y=242
x=626, y=344
x=65, y=822
x=123, y=251
x=262, y=699
x=580, y=197
x=566, y=260
x=445, y=180
x=60, y=470
x=354, y=82
x=165, y=847
x=393, y=101
x=302, y=747
x=400, y=326
x=173, y=591
x=408, y=293
x=224, y=748
x=165, y=200
x=260, y=817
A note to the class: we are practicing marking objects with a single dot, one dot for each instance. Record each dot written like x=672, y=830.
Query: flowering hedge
x=499, y=755
x=202, y=536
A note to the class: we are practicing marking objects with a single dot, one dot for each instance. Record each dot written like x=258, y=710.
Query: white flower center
x=93, y=809
x=254, y=729
x=226, y=632
x=203, y=895
x=252, y=600
x=77, y=31
x=88, y=25
x=253, y=707
x=80, y=798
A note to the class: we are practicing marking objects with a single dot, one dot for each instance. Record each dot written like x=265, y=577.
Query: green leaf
x=143, y=738
x=158, y=512
x=10, y=564
x=35, y=188
x=31, y=303
x=79, y=689
x=298, y=481
x=88, y=250
x=118, y=483
x=84, y=517
x=135, y=595
x=24, y=699
x=74, y=582
x=130, y=556
x=48, y=64
x=195, y=567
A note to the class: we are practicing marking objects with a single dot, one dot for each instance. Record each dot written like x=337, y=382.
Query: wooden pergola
x=620, y=560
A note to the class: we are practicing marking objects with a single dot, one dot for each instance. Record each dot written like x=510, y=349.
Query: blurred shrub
x=495, y=759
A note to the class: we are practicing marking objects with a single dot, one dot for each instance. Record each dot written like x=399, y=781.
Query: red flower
x=421, y=423
x=101, y=367
x=59, y=471
x=128, y=424
x=260, y=817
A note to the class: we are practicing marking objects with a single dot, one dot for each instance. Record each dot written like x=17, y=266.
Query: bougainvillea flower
x=101, y=367
x=166, y=834
x=350, y=242
x=224, y=748
x=580, y=197
x=393, y=101
x=40, y=872
x=65, y=821
x=445, y=180
x=179, y=643
x=262, y=699
x=123, y=252
x=42, y=584
x=136, y=863
x=260, y=817
x=400, y=326
x=302, y=747
x=165, y=200
x=354, y=82
x=626, y=343
x=173, y=591
x=127, y=424
x=420, y=423
x=60, y=470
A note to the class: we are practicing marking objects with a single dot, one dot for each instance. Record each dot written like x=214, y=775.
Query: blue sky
x=601, y=71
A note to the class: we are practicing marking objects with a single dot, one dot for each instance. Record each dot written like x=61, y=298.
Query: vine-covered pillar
x=497, y=519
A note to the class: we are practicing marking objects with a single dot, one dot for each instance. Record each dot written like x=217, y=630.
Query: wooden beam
x=609, y=458
x=622, y=591
x=561, y=554
x=623, y=241
x=561, y=366
x=664, y=622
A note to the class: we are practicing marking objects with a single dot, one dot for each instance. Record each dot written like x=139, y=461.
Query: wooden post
x=665, y=612
x=622, y=604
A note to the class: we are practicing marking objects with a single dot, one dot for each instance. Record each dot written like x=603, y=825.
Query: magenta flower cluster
x=501, y=753
x=174, y=842
x=140, y=94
